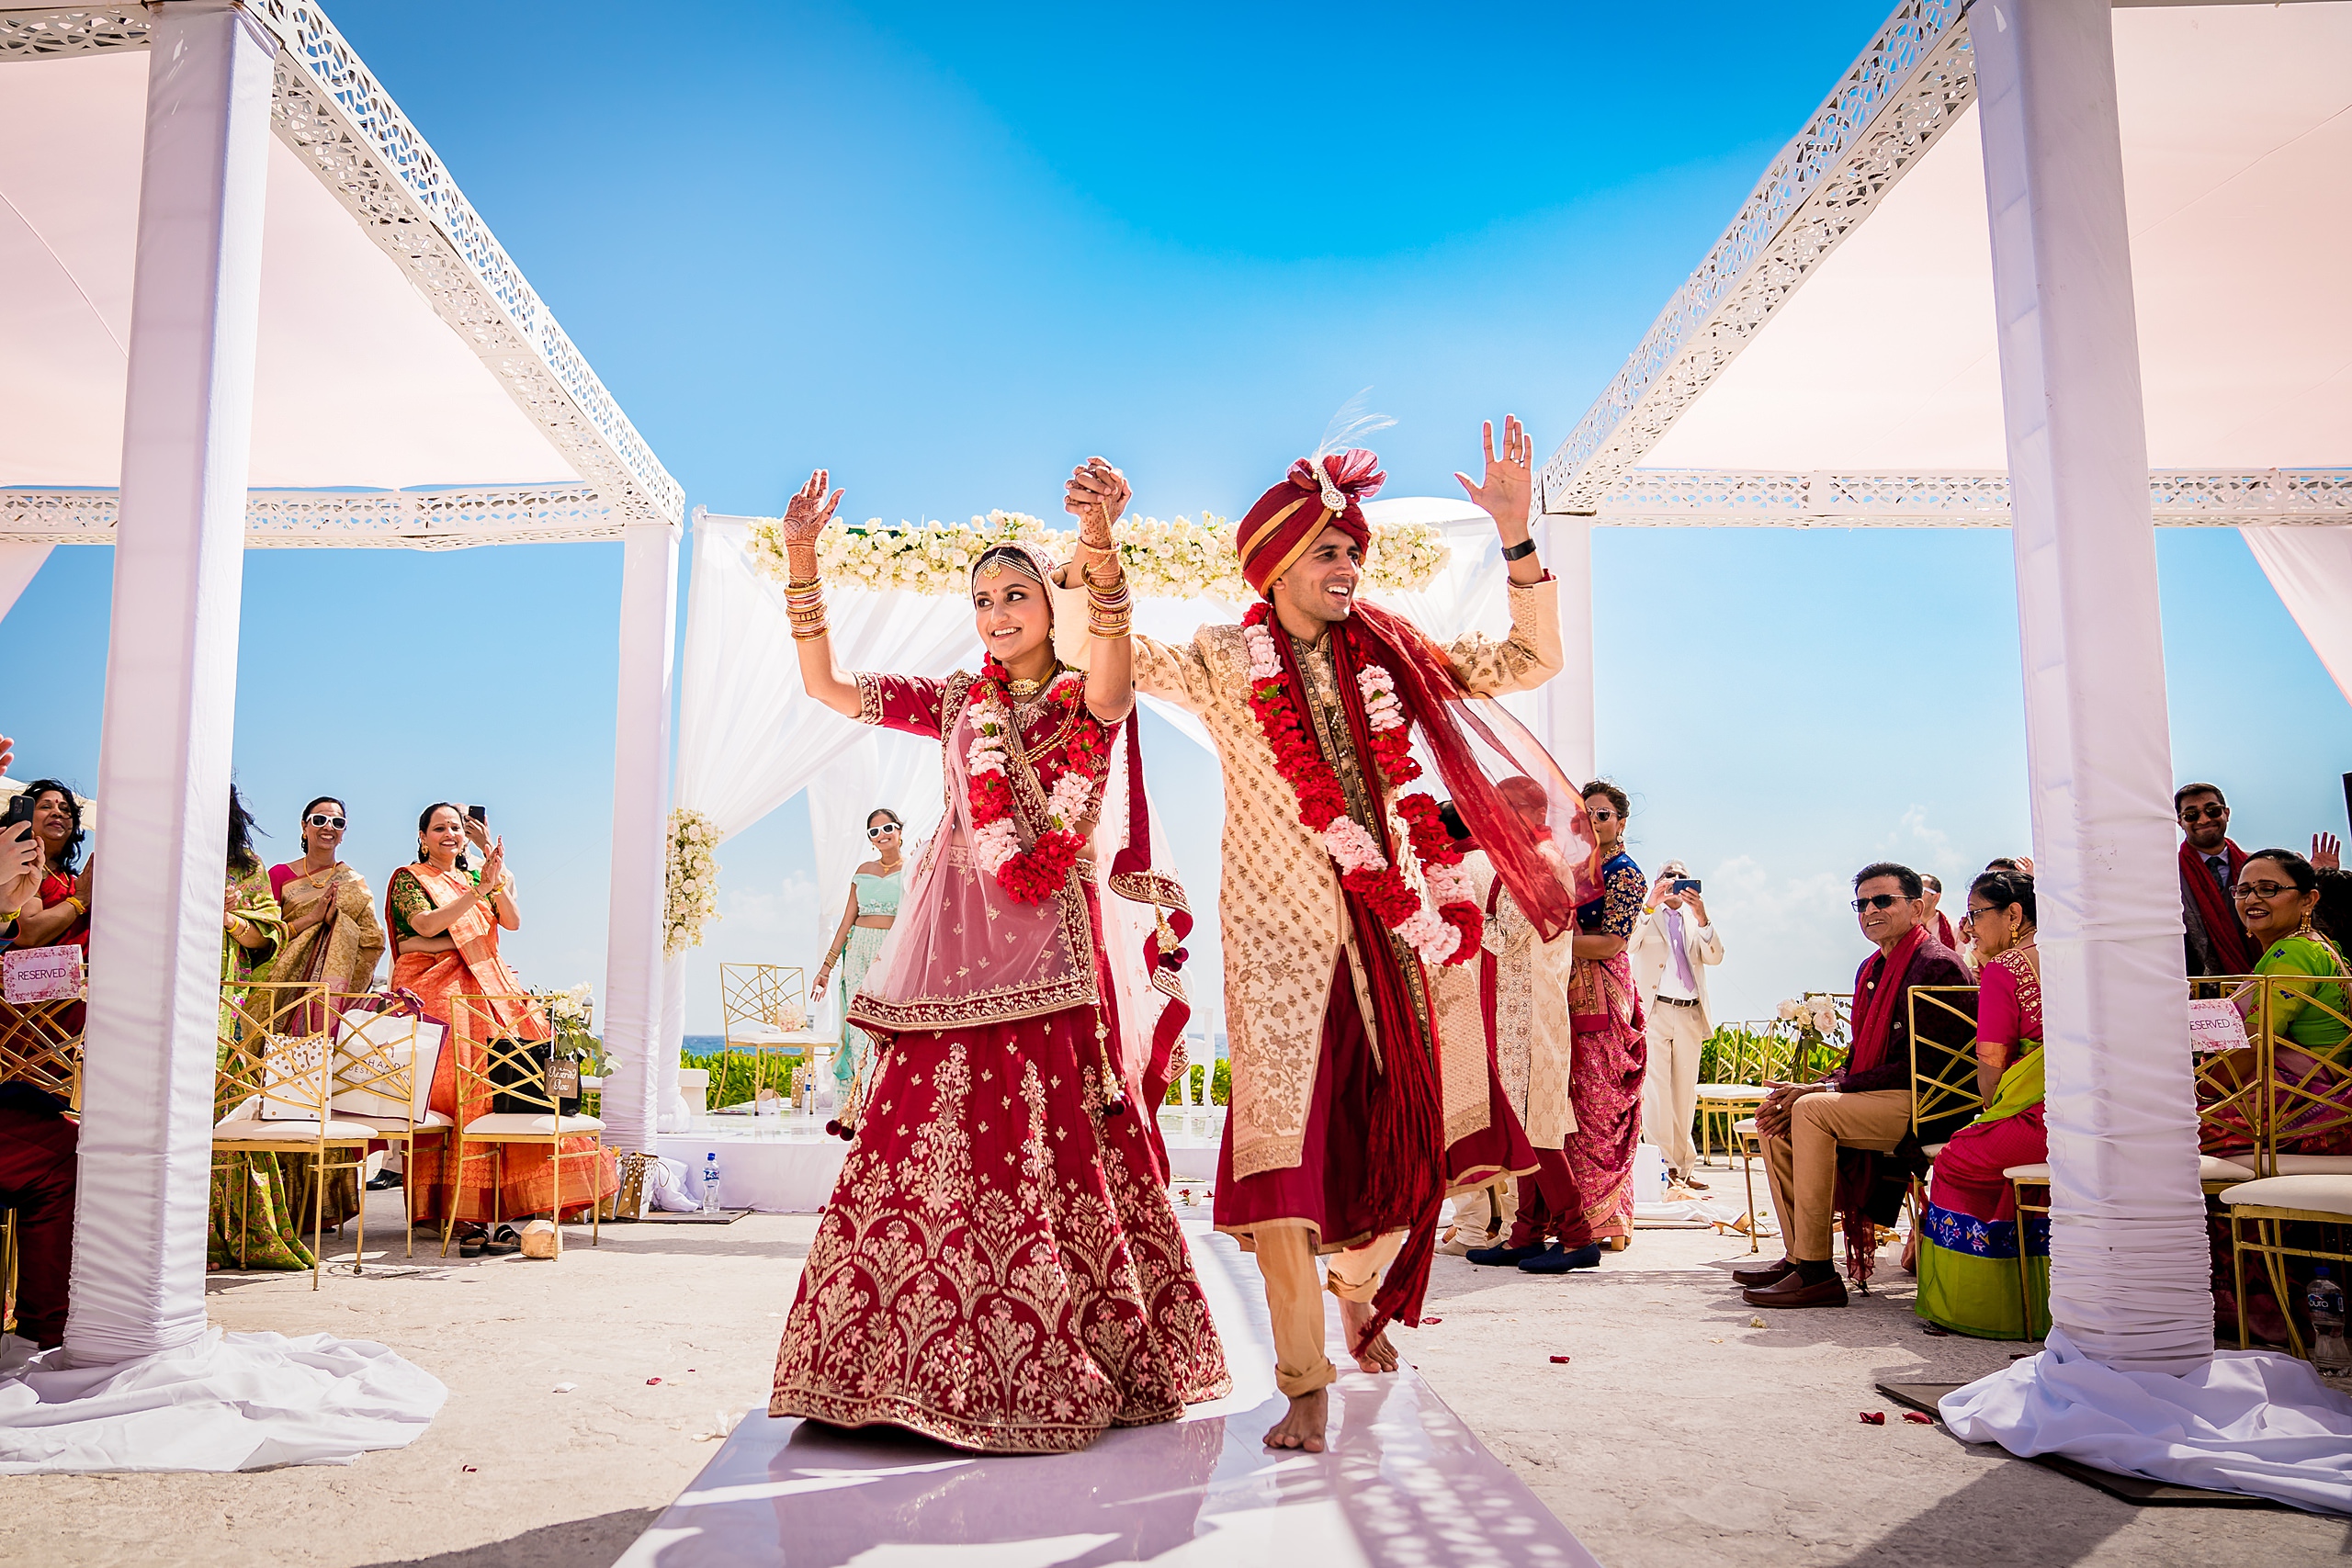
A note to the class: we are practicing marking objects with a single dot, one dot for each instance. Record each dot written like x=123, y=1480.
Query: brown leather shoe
x=1792, y=1292
x=1771, y=1274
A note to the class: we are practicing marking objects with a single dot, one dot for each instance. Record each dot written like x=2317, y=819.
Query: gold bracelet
x=797, y=585
x=811, y=635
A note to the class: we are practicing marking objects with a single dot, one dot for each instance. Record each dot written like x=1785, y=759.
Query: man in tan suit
x=1671, y=950
x=1334, y=1141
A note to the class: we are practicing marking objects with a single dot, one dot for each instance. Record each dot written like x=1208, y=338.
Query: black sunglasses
x=321, y=819
x=1878, y=901
x=2212, y=813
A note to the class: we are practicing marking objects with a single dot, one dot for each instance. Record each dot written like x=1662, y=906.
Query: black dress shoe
x=1756, y=1278
x=1561, y=1260
x=1501, y=1257
x=383, y=1181
x=1794, y=1291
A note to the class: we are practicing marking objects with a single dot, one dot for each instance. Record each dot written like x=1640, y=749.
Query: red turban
x=1288, y=517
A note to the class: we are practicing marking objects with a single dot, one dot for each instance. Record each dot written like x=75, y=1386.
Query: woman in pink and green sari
x=1972, y=1234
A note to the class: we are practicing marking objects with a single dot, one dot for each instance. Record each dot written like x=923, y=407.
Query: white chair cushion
x=1745, y=1128
x=2320, y=1194
x=1731, y=1091
x=2213, y=1168
x=517, y=1121
x=2027, y=1173
x=253, y=1130
x=2314, y=1165
x=393, y=1125
x=1931, y=1150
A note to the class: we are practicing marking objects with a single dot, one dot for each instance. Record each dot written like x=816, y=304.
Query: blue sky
x=948, y=251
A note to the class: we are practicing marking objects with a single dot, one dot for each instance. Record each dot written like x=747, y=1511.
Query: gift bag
x=373, y=1049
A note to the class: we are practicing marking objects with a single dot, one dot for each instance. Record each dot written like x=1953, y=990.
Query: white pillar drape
x=631, y=1017
x=1566, y=726
x=2311, y=570
x=137, y=1281
x=2129, y=1280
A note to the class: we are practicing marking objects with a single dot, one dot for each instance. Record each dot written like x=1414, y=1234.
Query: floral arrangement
x=1179, y=559
x=692, y=880
x=571, y=1015
x=789, y=1017
x=1814, y=1016
x=1423, y=895
x=1070, y=772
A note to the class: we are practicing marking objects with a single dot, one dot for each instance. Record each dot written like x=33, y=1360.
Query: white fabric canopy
x=2311, y=569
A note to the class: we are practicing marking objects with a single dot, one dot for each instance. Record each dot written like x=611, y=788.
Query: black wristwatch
x=1520, y=550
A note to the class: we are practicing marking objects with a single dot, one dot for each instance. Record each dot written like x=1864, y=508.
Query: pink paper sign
x=29, y=975
x=2215, y=1024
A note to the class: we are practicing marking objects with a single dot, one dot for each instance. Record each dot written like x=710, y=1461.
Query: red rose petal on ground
x=1559, y=1360
x=1427, y=1321
x=1873, y=1417
x=467, y=1468
x=651, y=1382
x=1922, y=1419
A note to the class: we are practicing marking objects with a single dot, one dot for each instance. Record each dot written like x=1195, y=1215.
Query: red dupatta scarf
x=2213, y=907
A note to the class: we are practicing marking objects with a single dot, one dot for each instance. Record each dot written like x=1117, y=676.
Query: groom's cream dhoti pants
x=1294, y=1296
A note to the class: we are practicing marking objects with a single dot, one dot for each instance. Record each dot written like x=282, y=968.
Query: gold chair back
x=752, y=996
x=1944, y=1093
x=2233, y=1091
x=494, y=1059
x=273, y=1043
x=40, y=1042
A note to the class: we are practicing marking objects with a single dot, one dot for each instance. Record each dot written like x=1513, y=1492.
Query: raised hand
x=493, y=868
x=808, y=513
x=1097, y=496
x=2327, y=851
x=1510, y=485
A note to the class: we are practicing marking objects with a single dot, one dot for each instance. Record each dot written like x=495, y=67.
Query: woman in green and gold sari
x=1973, y=1235
x=252, y=1222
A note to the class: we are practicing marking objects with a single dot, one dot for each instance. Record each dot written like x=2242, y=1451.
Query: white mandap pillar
x=2128, y=1280
x=1568, y=729
x=633, y=966
x=146, y=1146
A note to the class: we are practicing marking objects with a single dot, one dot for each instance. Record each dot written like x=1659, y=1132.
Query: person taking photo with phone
x=1672, y=948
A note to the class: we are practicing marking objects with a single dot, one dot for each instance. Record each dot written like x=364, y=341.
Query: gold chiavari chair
x=2233, y=1094
x=384, y=1060
x=758, y=1005
x=40, y=1043
x=495, y=1067
x=1746, y=1059
x=271, y=1087
x=1788, y=1060
x=2306, y=1095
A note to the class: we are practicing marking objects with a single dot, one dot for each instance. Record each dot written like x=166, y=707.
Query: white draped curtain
x=2311, y=569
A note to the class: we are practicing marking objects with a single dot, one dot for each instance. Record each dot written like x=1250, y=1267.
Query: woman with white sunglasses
x=331, y=932
x=866, y=921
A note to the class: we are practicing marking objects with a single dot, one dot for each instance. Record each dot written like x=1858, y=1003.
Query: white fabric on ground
x=225, y=1402
x=2311, y=570
x=2249, y=1421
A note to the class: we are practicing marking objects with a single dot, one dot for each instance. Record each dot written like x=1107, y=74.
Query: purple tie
x=1681, y=959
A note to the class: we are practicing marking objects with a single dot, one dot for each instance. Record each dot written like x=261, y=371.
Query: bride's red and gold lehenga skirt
x=998, y=1268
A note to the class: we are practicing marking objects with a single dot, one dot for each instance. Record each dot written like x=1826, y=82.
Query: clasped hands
x=1772, y=1116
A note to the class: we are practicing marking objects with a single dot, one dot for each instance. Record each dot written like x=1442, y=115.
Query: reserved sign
x=2215, y=1024
x=29, y=975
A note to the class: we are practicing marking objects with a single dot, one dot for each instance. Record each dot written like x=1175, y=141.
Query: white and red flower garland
x=1425, y=897
x=1071, y=774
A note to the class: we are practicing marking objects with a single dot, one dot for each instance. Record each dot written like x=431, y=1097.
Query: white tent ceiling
x=411, y=388
x=1834, y=360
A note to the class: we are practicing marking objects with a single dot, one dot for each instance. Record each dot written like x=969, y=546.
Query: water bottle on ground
x=710, y=1191
x=2324, y=1299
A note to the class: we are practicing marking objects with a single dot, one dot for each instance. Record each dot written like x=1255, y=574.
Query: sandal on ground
x=503, y=1240
x=471, y=1244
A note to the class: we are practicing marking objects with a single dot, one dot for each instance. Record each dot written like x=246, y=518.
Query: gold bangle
x=802, y=585
x=811, y=635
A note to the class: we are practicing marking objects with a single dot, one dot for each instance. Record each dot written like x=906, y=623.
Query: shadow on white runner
x=226, y=1402
x=2248, y=1421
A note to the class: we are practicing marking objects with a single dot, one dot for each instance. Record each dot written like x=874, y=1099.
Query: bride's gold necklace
x=1023, y=690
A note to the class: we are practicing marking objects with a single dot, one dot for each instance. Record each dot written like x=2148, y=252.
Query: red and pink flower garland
x=1071, y=775
x=1431, y=905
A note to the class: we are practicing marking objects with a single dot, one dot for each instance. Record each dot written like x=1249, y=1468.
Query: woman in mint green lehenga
x=865, y=921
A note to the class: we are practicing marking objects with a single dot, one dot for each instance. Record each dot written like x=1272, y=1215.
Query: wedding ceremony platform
x=1404, y=1483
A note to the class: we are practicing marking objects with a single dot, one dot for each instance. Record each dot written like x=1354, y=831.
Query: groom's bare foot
x=1377, y=1357
x=1302, y=1428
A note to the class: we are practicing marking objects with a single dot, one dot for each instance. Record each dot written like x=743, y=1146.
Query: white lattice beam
x=331, y=111
x=301, y=519
x=1716, y=498
x=1907, y=88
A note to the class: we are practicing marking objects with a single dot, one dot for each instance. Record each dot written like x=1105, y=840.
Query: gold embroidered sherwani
x=1532, y=1032
x=1279, y=906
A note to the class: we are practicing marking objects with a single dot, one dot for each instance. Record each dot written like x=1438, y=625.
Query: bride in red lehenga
x=998, y=1267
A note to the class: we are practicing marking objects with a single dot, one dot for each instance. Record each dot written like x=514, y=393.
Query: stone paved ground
x=1679, y=1433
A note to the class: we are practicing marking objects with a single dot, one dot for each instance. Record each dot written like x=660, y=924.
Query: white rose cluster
x=693, y=880
x=1818, y=1015
x=1178, y=559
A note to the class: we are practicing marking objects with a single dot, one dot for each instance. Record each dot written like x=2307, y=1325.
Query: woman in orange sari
x=443, y=918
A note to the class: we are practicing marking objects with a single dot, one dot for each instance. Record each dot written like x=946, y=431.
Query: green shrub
x=1220, y=1083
